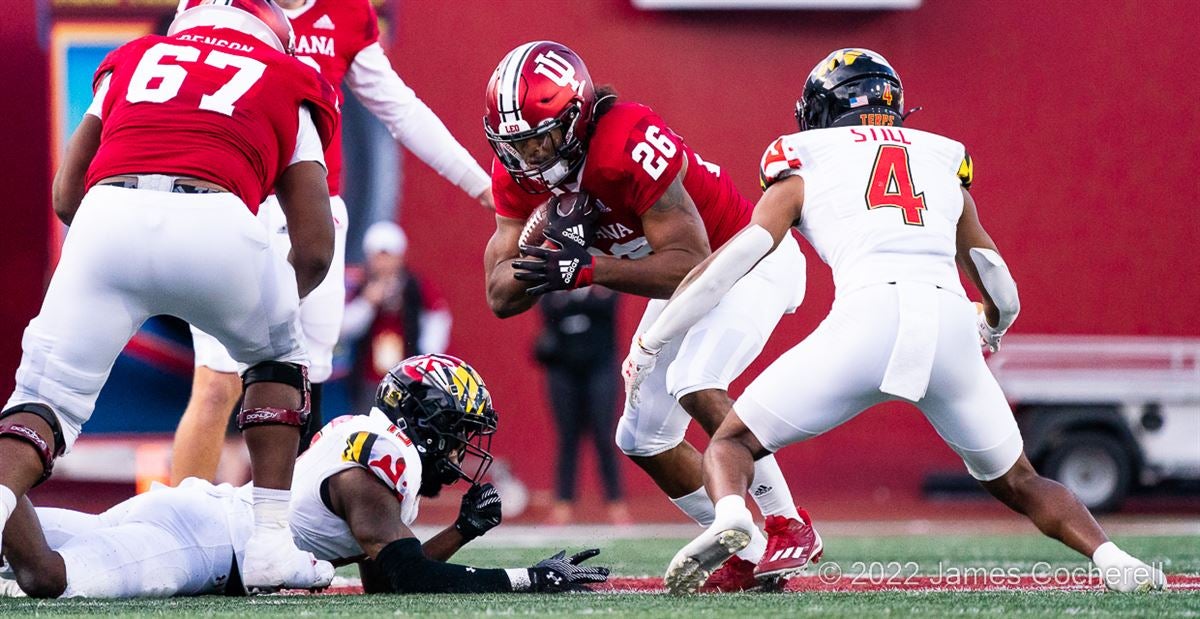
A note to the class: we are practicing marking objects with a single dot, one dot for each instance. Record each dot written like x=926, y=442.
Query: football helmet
x=540, y=103
x=443, y=406
x=262, y=19
x=847, y=83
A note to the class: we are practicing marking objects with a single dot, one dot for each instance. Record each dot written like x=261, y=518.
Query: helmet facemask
x=453, y=442
x=543, y=157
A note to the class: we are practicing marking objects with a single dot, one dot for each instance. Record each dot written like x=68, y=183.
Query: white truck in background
x=1105, y=415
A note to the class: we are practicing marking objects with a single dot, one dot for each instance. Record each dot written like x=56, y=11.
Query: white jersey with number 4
x=881, y=204
x=371, y=442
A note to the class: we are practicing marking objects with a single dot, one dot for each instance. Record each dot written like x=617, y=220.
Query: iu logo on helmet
x=555, y=67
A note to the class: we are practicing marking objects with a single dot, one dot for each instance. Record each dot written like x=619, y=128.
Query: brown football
x=531, y=234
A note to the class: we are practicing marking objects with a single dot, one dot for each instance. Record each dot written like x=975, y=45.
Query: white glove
x=636, y=368
x=989, y=336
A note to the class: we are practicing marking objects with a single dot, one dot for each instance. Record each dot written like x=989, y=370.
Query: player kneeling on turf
x=355, y=495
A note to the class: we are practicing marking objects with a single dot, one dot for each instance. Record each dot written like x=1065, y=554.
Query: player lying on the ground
x=355, y=495
x=649, y=210
x=889, y=209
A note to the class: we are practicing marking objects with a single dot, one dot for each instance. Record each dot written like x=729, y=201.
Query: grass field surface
x=643, y=560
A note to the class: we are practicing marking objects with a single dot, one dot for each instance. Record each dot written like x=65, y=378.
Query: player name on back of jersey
x=216, y=41
x=879, y=134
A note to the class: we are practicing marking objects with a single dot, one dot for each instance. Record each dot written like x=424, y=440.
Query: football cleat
x=791, y=546
x=273, y=562
x=694, y=563
x=737, y=574
x=1134, y=578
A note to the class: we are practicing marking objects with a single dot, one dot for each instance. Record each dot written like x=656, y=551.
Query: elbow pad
x=732, y=262
x=999, y=284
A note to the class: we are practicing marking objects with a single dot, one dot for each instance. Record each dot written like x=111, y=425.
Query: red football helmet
x=539, y=104
x=262, y=19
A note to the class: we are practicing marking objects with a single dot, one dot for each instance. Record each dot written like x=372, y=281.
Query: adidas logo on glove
x=575, y=233
x=567, y=269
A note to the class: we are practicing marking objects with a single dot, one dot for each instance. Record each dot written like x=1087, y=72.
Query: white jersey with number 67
x=881, y=204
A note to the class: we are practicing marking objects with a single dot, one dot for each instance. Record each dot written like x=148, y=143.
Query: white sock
x=754, y=551
x=1109, y=556
x=770, y=490
x=697, y=506
x=8, y=503
x=270, y=506
x=733, y=507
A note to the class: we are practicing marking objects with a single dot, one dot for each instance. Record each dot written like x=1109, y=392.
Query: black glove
x=560, y=573
x=572, y=219
x=480, y=511
x=566, y=267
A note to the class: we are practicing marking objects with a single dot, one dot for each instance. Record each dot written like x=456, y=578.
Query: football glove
x=636, y=368
x=989, y=336
x=562, y=573
x=566, y=267
x=572, y=218
x=480, y=511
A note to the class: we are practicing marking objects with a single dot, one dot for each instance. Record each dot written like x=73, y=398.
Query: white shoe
x=273, y=562
x=1134, y=577
x=10, y=589
x=695, y=562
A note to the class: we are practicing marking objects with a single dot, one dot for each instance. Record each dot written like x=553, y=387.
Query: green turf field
x=1179, y=555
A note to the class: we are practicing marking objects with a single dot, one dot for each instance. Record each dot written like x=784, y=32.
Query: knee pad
x=289, y=374
x=632, y=444
x=22, y=432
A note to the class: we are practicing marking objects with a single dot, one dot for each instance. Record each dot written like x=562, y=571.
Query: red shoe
x=791, y=545
x=736, y=574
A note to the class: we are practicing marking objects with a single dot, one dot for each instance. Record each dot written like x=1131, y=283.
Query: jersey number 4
x=157, y=82
x=891, y=185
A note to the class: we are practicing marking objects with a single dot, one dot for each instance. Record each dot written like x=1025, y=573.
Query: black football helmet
x=847, y=84
x=443, y=406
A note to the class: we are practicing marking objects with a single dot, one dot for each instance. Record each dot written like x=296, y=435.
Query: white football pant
x=135, y=253
x=714, y=351
x=163, y=543
x=836, y=372
x=320, y=312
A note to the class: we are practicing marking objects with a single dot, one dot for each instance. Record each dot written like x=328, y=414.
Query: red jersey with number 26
x=329, y=34
x=631, y=160
x=211, y=103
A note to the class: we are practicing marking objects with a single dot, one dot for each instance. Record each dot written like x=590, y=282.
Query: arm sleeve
x=308, y=141
x=408, y=570
x=728, y=265
x=97, y=105
x=372, y=79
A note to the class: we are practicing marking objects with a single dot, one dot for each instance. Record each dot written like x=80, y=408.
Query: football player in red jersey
x=340, y=38
x=654, y=209
x=186, y=136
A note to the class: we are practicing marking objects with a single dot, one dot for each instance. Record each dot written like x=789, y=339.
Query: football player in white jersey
x=888, y=208
x=355, y=495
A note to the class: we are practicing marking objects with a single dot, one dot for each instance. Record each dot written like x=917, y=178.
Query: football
x=532, y=233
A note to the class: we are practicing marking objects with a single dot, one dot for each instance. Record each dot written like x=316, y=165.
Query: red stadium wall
x=1080, y=119
x=24, y=165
